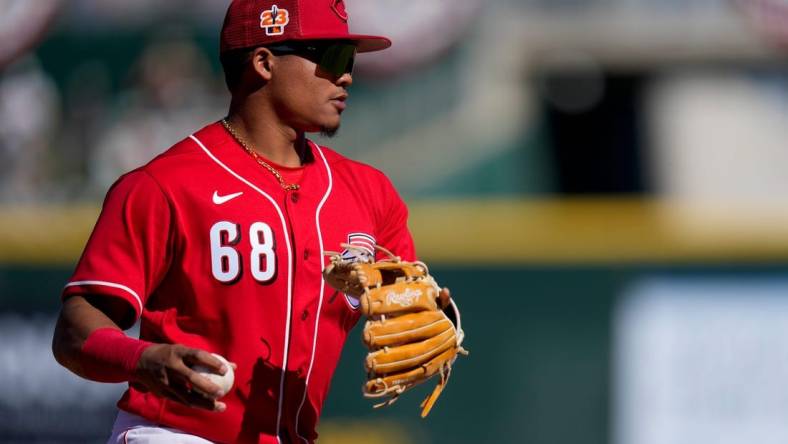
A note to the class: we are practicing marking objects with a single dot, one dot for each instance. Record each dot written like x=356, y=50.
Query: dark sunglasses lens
x=338, y=59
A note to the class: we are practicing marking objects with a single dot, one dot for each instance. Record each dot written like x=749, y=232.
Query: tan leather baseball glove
x=408, y=333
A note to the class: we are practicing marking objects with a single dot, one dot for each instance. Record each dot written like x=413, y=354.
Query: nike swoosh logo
x=218, y=200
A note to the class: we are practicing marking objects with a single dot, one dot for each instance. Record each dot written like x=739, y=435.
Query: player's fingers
x=198, y=382
x=195, y=356
x=183, y=390
x=444, y=297
x=197, y=399
x=175, y=395
x=163, y=376
x=153, y=377
x=171, y=393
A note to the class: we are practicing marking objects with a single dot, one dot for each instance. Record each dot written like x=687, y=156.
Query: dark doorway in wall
x=593, y=123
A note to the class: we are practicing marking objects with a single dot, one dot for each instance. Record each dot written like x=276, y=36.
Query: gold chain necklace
x=258, y=159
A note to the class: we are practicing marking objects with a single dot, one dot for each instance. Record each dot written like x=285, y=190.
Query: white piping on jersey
x=322, y=287
x=109, y=284
x=286, y=235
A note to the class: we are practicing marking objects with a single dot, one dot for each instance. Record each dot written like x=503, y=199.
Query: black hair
x=233, y=63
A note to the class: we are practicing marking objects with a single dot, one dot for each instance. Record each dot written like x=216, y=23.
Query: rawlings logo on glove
x=408, y=334
x=404, y=299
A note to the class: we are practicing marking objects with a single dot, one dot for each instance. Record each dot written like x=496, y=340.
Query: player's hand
x=165, y=370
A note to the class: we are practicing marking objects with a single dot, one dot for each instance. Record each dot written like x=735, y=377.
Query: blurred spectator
x=421, y=31
x=29, y=117
x=125, y=14
x=22, y=24
x=88, y=97
x=172, y=88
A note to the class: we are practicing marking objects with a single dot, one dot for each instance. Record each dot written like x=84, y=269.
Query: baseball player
x=217, y=246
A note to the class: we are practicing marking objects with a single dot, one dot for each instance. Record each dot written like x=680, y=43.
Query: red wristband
x=108, y=355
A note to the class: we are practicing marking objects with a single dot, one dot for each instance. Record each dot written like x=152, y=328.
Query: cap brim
x=370, y=43
x=365, y=43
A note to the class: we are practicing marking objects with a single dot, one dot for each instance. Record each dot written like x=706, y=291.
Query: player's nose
x=345, y=80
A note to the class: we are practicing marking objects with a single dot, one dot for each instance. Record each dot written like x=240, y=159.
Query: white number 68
x=226, y=263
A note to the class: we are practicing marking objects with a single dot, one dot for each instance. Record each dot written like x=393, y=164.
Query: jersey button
x=306, y=254
x=304, y=315
x=294, y=197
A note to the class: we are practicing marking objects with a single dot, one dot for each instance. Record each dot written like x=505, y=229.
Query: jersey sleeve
x=129, y=251
x=392, y=224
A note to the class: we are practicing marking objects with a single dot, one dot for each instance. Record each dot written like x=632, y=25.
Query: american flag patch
x=365, y=242
x=365, y=252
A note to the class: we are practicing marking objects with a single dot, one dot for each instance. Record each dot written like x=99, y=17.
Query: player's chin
x=329, y=127
x=329, y=132
x=325, y=129
x=326, y=122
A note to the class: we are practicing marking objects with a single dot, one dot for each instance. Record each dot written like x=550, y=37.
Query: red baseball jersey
x=211, y=252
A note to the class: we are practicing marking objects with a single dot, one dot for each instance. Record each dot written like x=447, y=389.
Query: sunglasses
x=332, y=57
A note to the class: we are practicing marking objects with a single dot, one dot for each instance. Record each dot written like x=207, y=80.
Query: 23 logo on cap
x=274, y=20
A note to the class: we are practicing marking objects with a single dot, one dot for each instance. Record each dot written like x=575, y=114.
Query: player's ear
x=262, y=63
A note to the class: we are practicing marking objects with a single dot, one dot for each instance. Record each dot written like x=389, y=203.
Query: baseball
x=224, y=382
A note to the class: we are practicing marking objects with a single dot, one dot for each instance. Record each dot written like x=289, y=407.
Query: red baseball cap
x=251, y=23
